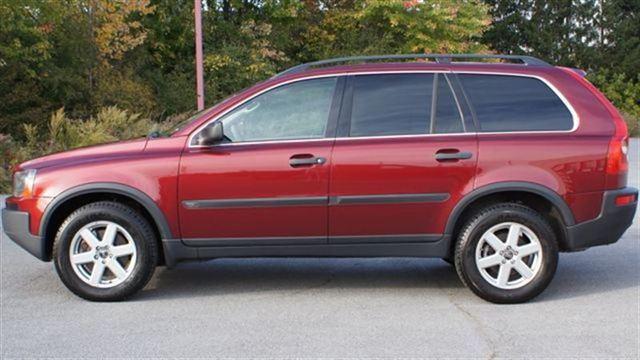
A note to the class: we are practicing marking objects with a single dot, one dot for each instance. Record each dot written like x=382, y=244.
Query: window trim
x=574, y=115
x=344, y=75
x=434, y=104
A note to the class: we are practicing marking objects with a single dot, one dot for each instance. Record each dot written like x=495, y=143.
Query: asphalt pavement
x=328, y=308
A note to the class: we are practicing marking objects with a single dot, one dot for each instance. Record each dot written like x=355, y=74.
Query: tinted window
x=298, y=110
x=393, y=104
x=447, y=116
x=515, y=103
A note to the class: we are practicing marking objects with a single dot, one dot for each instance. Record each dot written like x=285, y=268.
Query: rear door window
x=504, y=103
x=403, y=104
x=391, y=104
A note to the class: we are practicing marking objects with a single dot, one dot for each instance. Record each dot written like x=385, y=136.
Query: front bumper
x=16, y=225
x=608, y=227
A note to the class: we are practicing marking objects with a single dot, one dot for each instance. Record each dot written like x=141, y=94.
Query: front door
x=403, y=159
x=267, y=183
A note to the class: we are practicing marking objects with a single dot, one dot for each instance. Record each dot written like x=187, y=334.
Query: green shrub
x=624, y=93
x=64, y=133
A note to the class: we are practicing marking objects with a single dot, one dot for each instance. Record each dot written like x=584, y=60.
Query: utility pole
x=199, y=70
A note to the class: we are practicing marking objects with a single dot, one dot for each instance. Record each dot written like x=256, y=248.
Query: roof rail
x=440, y=58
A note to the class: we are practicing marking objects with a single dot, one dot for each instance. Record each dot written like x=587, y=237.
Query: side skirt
x=176, y=251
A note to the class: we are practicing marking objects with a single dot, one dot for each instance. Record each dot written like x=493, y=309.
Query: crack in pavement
x=484, y=335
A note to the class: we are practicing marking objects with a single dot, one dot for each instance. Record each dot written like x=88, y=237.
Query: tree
x=560, y=31
x=25, y=51
x=619, y=50
x=138, y=54
x=70, y=54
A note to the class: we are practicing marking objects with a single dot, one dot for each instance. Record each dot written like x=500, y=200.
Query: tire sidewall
x=132, y=224
x=547, y=268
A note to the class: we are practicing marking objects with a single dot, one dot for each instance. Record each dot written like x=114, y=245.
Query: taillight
x=617, y=160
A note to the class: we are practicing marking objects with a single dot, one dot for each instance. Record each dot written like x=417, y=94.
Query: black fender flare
x=107, y=187
x=547, y=193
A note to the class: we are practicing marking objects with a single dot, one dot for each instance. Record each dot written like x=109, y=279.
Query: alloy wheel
x=509, y=255
x=103, y=254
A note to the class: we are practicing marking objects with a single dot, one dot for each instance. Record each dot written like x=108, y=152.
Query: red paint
x=578, y=166
x=398, y=166
x=253, y=171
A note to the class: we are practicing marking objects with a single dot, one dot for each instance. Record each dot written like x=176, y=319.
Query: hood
x=88, y=154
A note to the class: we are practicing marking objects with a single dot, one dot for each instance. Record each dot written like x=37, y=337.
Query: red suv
x=494, y=167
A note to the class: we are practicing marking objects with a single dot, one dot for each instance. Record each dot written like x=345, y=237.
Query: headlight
x=23, y=183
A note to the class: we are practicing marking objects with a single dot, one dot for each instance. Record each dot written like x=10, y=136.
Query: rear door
x=268, y=183
x=403, y=156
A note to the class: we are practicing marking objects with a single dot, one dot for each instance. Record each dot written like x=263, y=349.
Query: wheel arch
x=540, y=196
x=69, y=200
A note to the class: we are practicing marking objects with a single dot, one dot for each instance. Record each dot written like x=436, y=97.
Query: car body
x=392, y=169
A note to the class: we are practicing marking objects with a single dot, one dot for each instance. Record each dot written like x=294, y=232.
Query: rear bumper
x=16, y=225
x=608, y=227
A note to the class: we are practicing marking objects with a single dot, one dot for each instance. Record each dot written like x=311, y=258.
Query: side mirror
x=211, y=135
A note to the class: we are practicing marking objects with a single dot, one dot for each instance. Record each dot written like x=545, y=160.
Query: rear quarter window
x=504, y=103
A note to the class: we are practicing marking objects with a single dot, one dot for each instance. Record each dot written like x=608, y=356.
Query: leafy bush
x=64, y=133
x=624, y=93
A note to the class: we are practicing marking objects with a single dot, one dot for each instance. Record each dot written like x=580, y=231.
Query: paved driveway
x=328, y=308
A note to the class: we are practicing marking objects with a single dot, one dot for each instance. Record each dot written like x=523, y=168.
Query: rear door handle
x=306, y=160
x=444, y=156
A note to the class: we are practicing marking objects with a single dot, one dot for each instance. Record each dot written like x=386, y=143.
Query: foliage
x=138, y=55
x=55, y=54
x=250, y=57
x=63, y=133
x=619, y=50
x=561, y=32
x=624, y=94
x=114, y=29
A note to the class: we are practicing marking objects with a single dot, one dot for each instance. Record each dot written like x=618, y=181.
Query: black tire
x=146, y=246
x=483, y=220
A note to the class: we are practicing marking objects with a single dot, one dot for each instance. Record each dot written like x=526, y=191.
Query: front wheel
x=105, y=251
x=506, y=253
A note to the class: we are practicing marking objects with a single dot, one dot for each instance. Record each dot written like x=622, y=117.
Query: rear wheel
x=506, y=253
x=105, y=251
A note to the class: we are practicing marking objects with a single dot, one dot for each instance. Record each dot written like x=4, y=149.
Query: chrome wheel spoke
x=123, y=250
x=514, y=234
x=89, y=238
x=528, y=249
x=489, y=261
x=96, y=273
x=523, y=269
x=503, y=274
x=83, y=258
x=493, y=241
x=117, y=269
x=109, y=234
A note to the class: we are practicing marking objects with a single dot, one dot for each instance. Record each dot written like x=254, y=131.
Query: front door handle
x=449, y=155
x=306, y=160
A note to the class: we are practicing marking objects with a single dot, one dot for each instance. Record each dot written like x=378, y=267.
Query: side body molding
x=547, y=193
x=102, y=187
